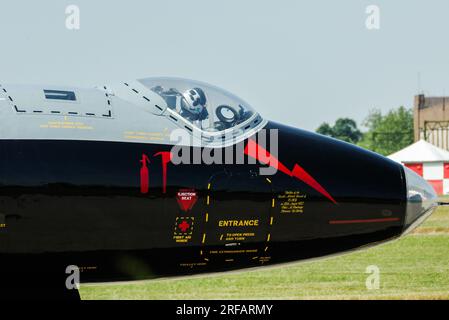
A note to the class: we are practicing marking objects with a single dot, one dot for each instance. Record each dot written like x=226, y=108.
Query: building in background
x=428, y=161
x=431, y=120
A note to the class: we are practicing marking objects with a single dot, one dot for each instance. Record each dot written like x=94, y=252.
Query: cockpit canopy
x=209, y=109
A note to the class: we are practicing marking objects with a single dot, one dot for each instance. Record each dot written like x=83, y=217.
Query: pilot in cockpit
x=191, y=104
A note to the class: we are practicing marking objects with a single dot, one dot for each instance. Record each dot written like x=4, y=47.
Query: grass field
x=413, y=267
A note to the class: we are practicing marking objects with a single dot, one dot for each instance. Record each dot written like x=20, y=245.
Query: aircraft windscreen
x=206, y=107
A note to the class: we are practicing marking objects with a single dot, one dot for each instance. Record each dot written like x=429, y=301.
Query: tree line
x=386, y=133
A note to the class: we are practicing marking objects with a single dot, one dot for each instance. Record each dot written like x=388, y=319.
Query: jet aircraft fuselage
x=90, y=177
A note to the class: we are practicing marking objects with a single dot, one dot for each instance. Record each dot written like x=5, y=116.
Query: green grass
x=413, y=267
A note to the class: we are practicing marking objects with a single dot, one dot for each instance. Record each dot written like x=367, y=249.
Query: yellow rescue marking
x=208, y=186
x=272, y=203
x=66, y=125
x=207, y=217
x=147, y=136
x=201, y=252
x=238, y=223
x=221, y=237
x=254, y=258
x=271, y=221
x=269, y=237
x=269, y=181
x=208, y=200
x=266, y=248
x=204, y=238
x=205, y=259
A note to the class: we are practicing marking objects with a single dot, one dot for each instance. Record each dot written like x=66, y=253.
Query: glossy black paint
x=79, y=203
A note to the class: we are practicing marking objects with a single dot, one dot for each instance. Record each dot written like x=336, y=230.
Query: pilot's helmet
x=194, y=100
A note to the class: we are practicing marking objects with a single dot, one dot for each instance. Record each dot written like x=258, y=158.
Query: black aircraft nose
x=421, y=200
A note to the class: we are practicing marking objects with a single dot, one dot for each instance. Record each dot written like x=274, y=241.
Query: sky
x=297, y=62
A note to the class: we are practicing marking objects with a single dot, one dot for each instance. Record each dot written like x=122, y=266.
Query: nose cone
x=421, y=200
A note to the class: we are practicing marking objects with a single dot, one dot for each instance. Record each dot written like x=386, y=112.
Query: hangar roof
x=421, y=151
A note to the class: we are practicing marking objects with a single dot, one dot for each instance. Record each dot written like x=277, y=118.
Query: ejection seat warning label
x=292, y=202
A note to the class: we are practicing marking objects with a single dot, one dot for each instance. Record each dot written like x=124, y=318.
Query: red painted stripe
x=363, y=221
x=259, y=153
x=304, y=176
x=252, y=149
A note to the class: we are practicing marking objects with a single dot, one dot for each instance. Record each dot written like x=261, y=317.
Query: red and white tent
x=427, y=160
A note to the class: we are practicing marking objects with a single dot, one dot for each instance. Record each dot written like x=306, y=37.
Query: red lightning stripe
x=257, y=152
x=302, y=175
